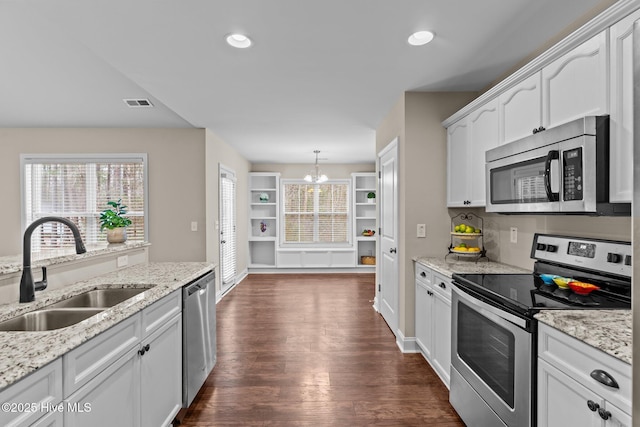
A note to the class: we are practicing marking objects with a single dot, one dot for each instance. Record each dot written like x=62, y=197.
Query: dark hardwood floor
x=309, y=350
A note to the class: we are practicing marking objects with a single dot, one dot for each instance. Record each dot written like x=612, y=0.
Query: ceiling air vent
x=134, y=103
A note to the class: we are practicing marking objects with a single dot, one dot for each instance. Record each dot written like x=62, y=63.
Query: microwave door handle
x=553, y=155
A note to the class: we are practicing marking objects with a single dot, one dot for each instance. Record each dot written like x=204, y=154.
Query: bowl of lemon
x=466, y=231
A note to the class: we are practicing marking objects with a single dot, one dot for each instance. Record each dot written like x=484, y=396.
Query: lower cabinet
x=433, y=320
x=568, y=395
x=143, y=387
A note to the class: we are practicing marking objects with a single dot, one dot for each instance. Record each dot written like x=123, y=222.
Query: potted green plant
x=115, y=222
x=371, y=197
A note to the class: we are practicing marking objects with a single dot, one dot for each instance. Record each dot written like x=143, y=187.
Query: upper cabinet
x=520, y=109
x=457, y=163
x=484, y=134
x=621, y=117
x=576, y=84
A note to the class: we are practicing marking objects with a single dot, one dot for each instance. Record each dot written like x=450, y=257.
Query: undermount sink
x=48, y=319
x=99, y=298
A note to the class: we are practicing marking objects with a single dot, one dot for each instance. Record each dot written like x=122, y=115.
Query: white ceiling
x=321, y=75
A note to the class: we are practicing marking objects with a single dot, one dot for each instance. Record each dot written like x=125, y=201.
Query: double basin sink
x=70, y=311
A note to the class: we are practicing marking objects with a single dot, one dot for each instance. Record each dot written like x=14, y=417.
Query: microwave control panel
x=573, y=182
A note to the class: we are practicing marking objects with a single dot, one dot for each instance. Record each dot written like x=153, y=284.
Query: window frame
x=84, y=158
x=350, y=213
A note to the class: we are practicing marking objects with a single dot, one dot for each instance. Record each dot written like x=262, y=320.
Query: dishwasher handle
x=192, y=289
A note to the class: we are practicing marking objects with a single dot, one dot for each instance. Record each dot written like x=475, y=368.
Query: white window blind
x=227, y=228
x=316, y=213
x=78, y=187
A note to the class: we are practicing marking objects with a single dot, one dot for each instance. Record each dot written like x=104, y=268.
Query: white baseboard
x=406, y=344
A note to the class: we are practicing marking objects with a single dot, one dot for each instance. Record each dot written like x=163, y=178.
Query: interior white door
x=388, y=280
x=227, y=229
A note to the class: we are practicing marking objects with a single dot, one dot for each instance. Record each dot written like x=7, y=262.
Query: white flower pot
x=117, y=235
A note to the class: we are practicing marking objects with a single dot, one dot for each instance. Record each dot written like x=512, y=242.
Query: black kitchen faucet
x=27, y=286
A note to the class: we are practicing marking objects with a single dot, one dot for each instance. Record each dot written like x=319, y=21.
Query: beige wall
x=416, y=120
x=220, y=153
x=298, y=171
x=176, y=181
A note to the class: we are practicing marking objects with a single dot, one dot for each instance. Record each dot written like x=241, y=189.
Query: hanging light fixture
x=315, y=176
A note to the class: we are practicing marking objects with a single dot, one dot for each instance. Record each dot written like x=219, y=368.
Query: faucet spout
x=27, y=285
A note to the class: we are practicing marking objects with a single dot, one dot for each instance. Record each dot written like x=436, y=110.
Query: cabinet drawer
x=85, y=362
x=442, y=285
x=578, y=359
x=424, y=274
x=41, y=388
x=160, y=312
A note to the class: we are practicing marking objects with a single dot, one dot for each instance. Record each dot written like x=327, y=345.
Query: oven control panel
x=601, y=255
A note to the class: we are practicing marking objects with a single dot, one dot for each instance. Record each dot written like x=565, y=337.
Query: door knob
x=392, y=250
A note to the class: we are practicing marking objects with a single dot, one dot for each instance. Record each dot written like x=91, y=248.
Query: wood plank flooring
x=309, y=350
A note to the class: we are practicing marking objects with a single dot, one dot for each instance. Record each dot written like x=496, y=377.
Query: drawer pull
x=423, y=274
x=604, y=414
x=604, y=378
x=592, y=405
x=442, y=285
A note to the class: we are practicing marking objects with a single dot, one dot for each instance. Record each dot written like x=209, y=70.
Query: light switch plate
x=514, y=234
x=122, y=261
x=194, y=225
x=421, y=230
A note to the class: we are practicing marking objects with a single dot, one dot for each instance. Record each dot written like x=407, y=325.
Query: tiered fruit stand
x=466, y=237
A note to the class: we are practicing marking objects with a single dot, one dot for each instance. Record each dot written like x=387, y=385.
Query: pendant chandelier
x=315, y=176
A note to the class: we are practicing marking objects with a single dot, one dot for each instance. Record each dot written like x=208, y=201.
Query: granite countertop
x=606, y=330
x=24, y=352
x=449, y=266
x=13, y=264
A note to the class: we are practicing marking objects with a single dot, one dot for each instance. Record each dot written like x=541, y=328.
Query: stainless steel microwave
x=563, y=170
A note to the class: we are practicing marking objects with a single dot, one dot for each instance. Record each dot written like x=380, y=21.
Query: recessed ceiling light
x=238, y=40
x=420, y=37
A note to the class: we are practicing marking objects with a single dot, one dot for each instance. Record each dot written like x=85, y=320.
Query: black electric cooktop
x=527, y=294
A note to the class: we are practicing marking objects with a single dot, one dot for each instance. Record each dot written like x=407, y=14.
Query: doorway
x=228, y=243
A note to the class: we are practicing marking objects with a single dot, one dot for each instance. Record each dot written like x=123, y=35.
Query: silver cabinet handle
x=604, y=378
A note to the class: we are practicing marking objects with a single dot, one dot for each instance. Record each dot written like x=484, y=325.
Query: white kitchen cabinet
x=263, y=219
x=576, y=84
x=457, y=164
x=161, y=374
x=364, y=216
x=568, y=395
x=520, y=109
x=112, y=396
x=468, y=140
x=573, y=86
x=41, y=389
x=433, y=320
x=621, y=118
x=52, y=419
x=130, y=374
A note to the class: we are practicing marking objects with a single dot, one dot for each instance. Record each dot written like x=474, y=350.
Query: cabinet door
x=621, y=118
x=161, y=374
x=576, y=84
x=618, y=417
x=110, y=399
x=52, y=419
x=484, y=134
x=457, y=164
x=562, y=401
x=520, y=109
x=441, y=356
x=423, y=320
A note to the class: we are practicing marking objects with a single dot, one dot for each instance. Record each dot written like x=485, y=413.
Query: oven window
x=489, y=351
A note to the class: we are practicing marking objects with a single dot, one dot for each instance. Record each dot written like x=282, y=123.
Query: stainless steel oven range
x=493, y=344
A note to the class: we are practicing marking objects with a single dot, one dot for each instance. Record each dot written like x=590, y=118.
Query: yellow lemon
x=462, y=249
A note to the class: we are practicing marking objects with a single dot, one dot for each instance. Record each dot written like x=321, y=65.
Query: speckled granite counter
x=13, y=264
x=23, y=352
x=606, y=330
x=448, y=267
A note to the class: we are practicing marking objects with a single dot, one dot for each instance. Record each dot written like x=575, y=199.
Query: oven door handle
x=553, y=155
x=489, y=311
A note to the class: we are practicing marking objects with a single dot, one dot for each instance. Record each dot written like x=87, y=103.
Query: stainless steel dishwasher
x=198, y=335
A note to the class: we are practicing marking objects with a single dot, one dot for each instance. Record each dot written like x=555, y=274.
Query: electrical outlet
x=514, y=234
x=194, y=225
x=421, y=230
x=122, y=261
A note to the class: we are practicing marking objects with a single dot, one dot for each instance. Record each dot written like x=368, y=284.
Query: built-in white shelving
x=263, y=219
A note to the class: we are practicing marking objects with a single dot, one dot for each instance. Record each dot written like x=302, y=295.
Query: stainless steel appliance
x=493, y=344
x=198, y=335
x=559, y=170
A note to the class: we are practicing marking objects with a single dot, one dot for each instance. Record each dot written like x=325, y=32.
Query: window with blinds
x=316, y=213
x=78, y=187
